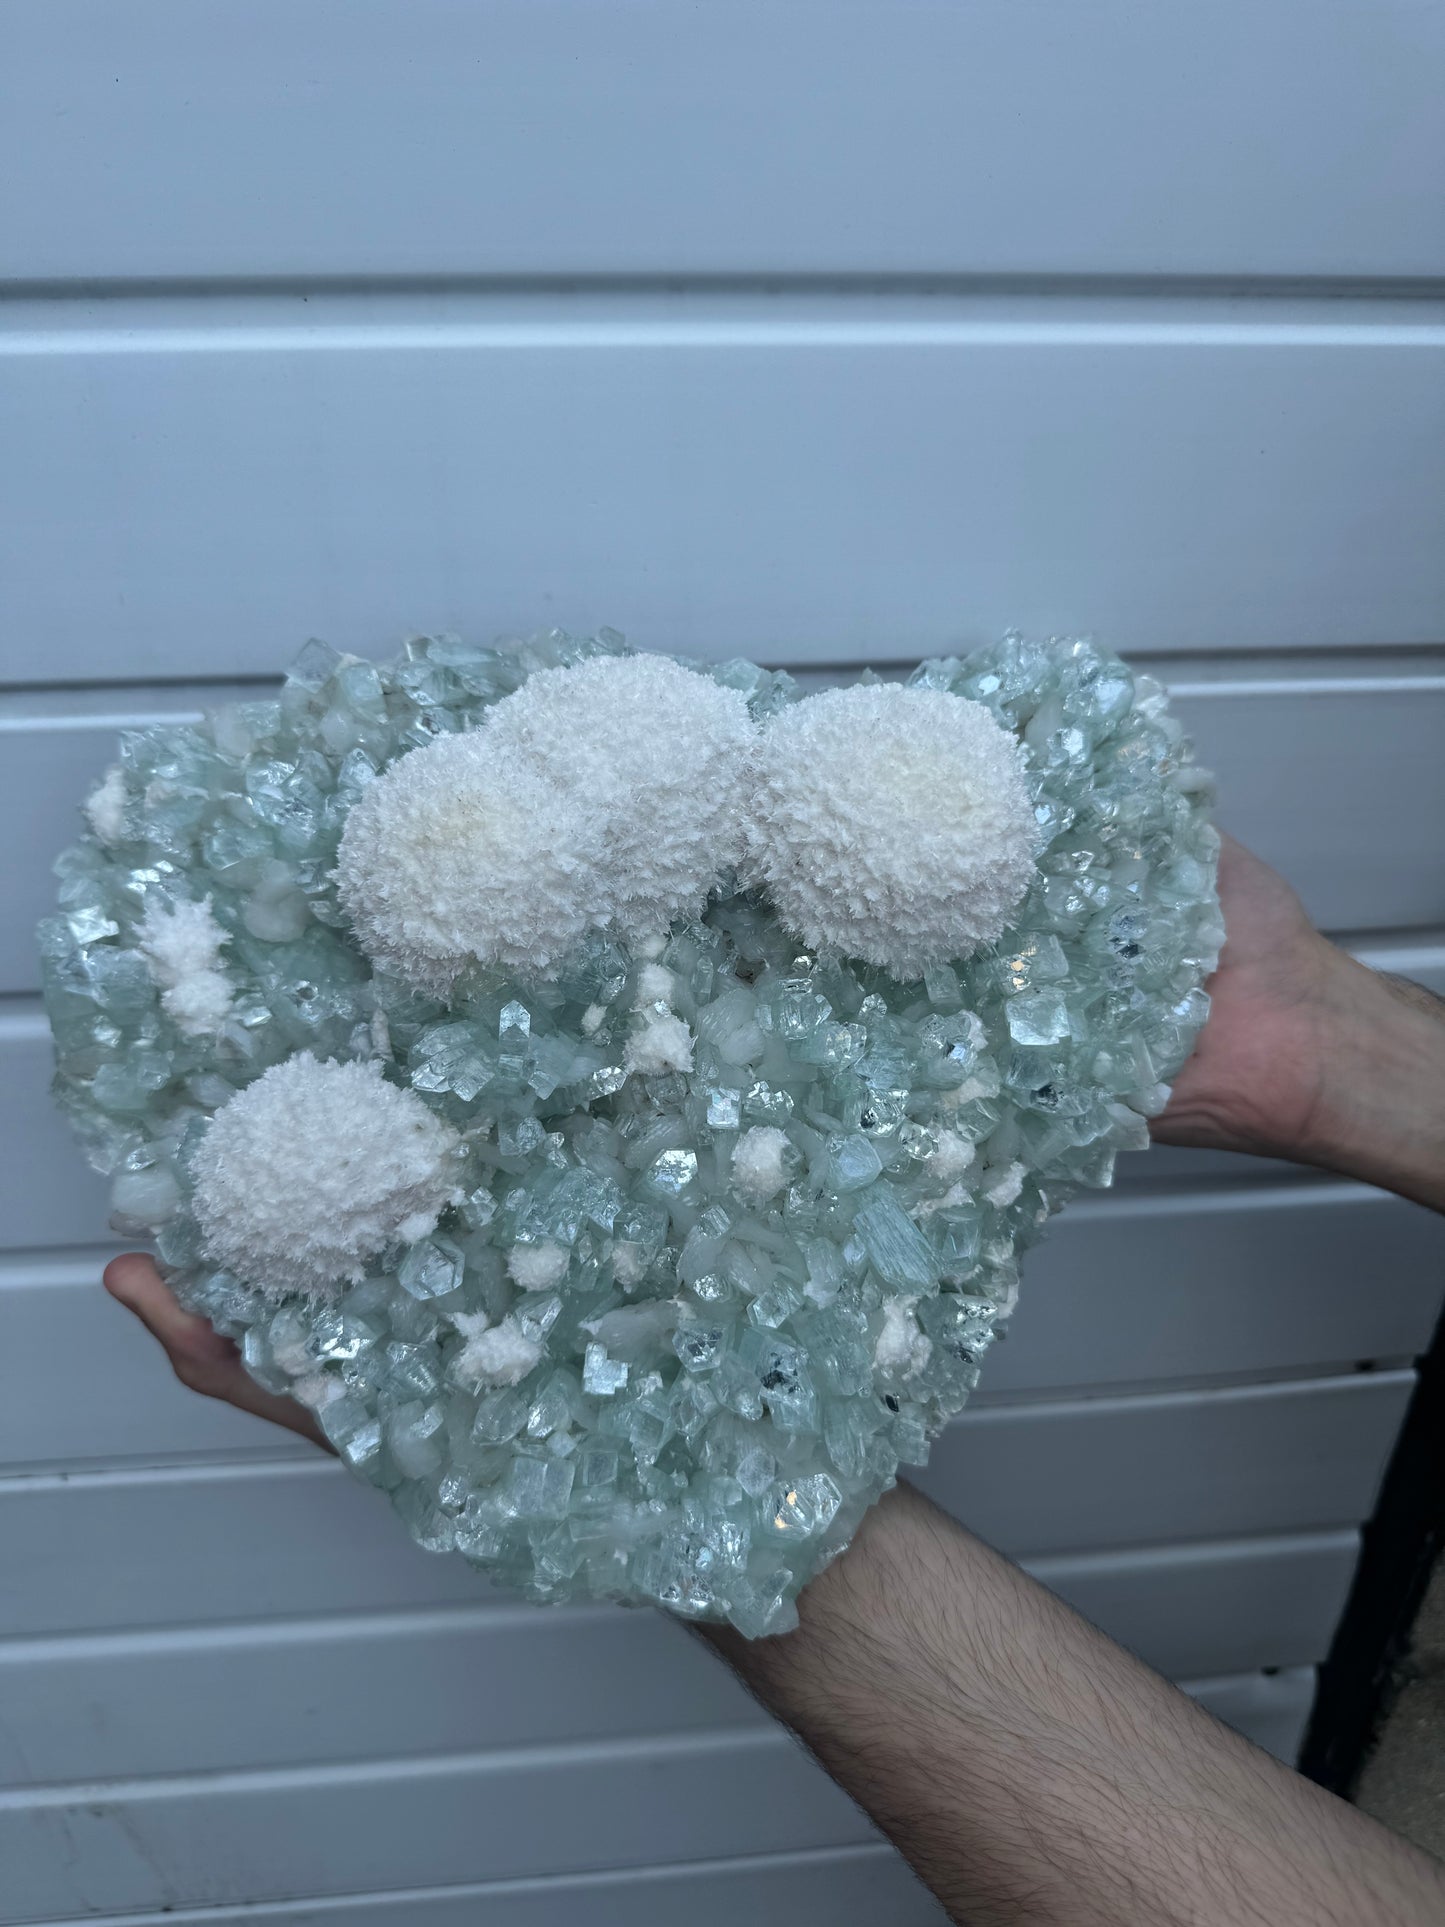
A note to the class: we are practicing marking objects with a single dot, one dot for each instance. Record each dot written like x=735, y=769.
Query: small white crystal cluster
x=106, y=805
x=884, y=823
x=182, y=945
x=500, y=1354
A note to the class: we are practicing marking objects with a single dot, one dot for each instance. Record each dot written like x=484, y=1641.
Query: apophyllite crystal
x=614, y=1092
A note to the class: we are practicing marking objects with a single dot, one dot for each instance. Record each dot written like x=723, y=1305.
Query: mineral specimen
x=613, y=1093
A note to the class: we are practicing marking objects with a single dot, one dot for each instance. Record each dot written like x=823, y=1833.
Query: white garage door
x=830, y=332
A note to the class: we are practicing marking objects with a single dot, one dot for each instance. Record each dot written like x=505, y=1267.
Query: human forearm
x=1383, y=1115
x=1035, y=1774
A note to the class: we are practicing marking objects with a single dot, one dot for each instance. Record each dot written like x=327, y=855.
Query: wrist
x=1380, y=1113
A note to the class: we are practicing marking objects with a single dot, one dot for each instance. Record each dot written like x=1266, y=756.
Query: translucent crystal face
x=690, y=1238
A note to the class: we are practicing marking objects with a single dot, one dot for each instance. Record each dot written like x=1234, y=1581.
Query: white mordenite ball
x=182, y=948
x=106, y=805
x=629, y=1264
x=309, y=1173
x=660, y=1042
x=655, y=985
x=659, y=755
x=492, y=1354
x=607, y=794
x=537, y=1267
x=901, y=1347
x=1002, y=1184
x=892, y=825
x=760, y=1163
x=457, y=853
x=951, y=1156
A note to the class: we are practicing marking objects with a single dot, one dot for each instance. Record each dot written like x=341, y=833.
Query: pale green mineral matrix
x=713, y=1386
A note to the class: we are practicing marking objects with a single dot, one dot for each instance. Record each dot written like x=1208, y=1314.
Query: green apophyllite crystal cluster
x=635, y=1274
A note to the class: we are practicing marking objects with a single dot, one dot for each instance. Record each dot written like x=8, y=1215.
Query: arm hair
x=1037, y=1775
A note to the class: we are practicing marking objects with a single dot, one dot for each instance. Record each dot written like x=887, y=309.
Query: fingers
x=201, y=1358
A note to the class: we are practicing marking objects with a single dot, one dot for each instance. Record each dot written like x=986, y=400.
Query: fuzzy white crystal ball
x=659, y=753
x=311, y=1171
x=605, y=794
x=458, y=853
x=893, y=825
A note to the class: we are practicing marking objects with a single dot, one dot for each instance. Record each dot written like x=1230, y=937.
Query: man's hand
x=1255, y=1081
x=200, y=1357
